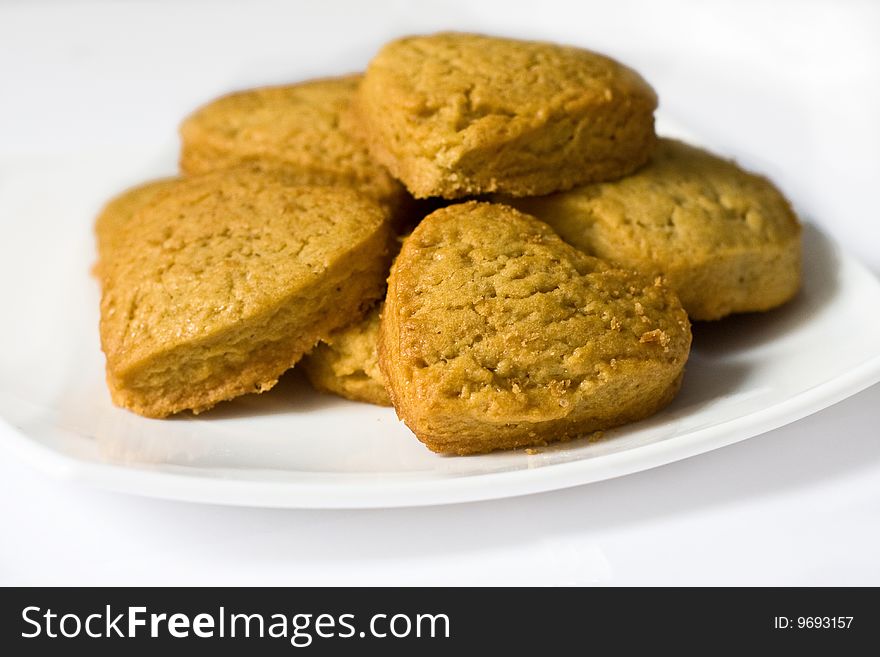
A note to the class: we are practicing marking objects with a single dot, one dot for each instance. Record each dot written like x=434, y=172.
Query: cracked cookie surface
x=454, y=115
x=726, y=240
x=115, y=217
x=226, y=280
x=497, y=334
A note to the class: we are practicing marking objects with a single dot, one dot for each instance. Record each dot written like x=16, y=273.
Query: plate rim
x=380, y=493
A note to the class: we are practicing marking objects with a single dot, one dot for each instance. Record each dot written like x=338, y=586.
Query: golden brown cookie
x=346, y=363
x=297, y=129
x=116, y=214
x=455, y=114
x=225, y=281
x=726, y=240
x=497, y=334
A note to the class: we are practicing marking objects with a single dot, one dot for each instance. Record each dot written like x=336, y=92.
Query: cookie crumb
x=657, y=335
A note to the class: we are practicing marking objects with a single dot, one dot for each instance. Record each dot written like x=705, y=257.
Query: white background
x=789, y=88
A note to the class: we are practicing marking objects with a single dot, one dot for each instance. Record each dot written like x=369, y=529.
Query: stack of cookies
x=484, y=233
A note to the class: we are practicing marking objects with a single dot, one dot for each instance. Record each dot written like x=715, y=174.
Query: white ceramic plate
x=292, y=447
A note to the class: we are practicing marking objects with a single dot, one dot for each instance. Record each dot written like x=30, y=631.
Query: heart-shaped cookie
x=497, y=334
x=455, y=115
x=221, y=284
